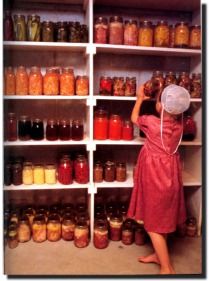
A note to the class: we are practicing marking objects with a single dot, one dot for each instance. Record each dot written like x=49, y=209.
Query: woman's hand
x=140, y=93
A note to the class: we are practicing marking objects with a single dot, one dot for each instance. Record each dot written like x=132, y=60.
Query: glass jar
x=11, y=127
x=195, y=37
x=14, y=216
x=110, y=210
x=64, y=130
x=181, y=35
x=68, y=227
x=67, y=82
x=24, y=128
x=24, y=233
x=98, y=172
x=196, y=87
x=191, y=227
x=7, y=174
x=10, y=87
x=145, y=37
x=121, y=172
x=116, y=32
x=170, y=78
x=109, y=171
x=21, y=81
x=50, y=174
x=123, y=208
x=82, y=85
x=100, y=125
x=37, y=129
x=118, y=86
x=81, y=234
x=130, y=33
x=19, y=28
x=158, y=82
x=17, y=174
x=65, y=171
x=171, y=36
x=52, y=130
x=101, y=31
x=116, y=222
x=51, y=82
x=38, y=174
x=35, y=81
x=161, y=34
x=47, y=33
x=140, y=235
x=8, y=26
x=100, y=238
x=29, y=212
x=74, y=32
x=77, y=130
x=61, y=32
x=81, y=170
x=84, y=35
x=130, y=87
x=34, y=28
x=12, y=236
x=115, y=127
x=127, y=130
x=184, y=80
x=39, y=229
x=105, y=86
x=189, y=128
x=127, y=235
x=27, y=173
x=54, y=229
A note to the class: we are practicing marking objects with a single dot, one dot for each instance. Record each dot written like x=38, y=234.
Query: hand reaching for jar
x=141, y=93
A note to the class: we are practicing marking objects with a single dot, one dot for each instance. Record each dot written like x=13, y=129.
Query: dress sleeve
x=142, y=123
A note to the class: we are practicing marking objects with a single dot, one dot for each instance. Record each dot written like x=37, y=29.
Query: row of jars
x=113, y=128
x=117, y=86
x=180, y=35
x=110, y=171
x=158, y=81
x=54, y=82
x=64, y=172
x=26, y=129
x=18, y=29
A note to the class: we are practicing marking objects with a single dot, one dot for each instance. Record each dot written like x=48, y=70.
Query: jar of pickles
x=170, y=78
x=82, y=85
x=130, y=33
x=196, y=88
x=121, y=172
x=74, y=32
x=67, y=82
x=98, y=172
x=130, y=87
x=47, y=31
x=35, y=81
x=100, y=239
x=115, y=127
x=11, y=127
x=61, y=32
x=77, y=130
x=17, y=174
x=34, y=28
x=81, y=170
x=8, y=26
x=195, y=37
x=118, y=86
x=24, y=233
x=68, y=227
x=64, y=130
x=81, y=234
x=101, y=30
x=53, y=228
x=38, y=174
x=116, y=222
x=184, y=80
x=65, y=171
x=21, y=81
x=84, y=35
x=39, y=229
x=127, y=130
x=181, y=35
x=109, y=171
x=52, y=130
x=19, y=28
x=10, y=87
x=50, y=174
x=27, y=173
x=116, y=30
x=37, y=129
x=145, y=37
x=24, y=128
x=105, y=87
x=51, y=82
x=171, y=36
x=100, y=125
x=12, y=236
x=161, y=34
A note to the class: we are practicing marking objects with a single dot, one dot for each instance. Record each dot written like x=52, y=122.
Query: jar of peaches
x=9, y=81
x=35, y=81
x=53, y=228
x=130, y=33
x=161, y=34
x=51, y=82
x=68, y=227
x=67, y=82
x=145, y=37
x=39, y=229
x=81, y=234
x=181, y=35
x=116, y=32
x=82, y=85
x=21, y=81
x=195, y=37
x=100, y=30
x=24, y=233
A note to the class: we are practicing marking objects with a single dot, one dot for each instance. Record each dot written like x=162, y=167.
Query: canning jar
x=161, y=34
x=10, y=88
x=53, y=227
x=19, y=28
x=170, y=78
x=130, y=86
x=11, y=127
x=37, y=129
x=67, y=82
x=74, y=32
x=24, y=233
x=100, y=125
x=30, y=213
x=116, y=32
x=34, y=28
x=17, y=174
x=39, y=229
x=127, y=235
x=121, y=172
x=8, y=26
x=27, y=173
x=35, y=81
x=100, y=239
x=184, y=80
x=77, y=130
x=64, y=130
x=47, y=31
x=52, y=130
x=127, y=130
x=24, y=128
x=191, y=227
x=82, y=85
x=189, y=128
x=81, y=170
x=109, y=171
x=145, y=37
x=101, y=30
x=123, y=211
x=105, y=86
x=7, y=174
x=181, y=35
x=61, y=32
x=38, y=174
x=116, y=222
x=65, y=171
x=196, y=88
x=118, y=86
x=81, y=234
x=195, y=37
x=14, y=216
x=84, y=35
x=171, y=36
x=140, y=235
x=130, y=33
x=21, y=81
x=12, y=236
x=50, y=174
x=158, y=82
x=51, y=82
x=98, y=172
x=68, y=227
x=115, y=127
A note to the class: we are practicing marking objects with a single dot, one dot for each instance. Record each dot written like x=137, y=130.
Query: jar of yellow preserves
x=27, y=173
x=38, y=174
x=181, y=35
x=145, y=37
x=50, y=174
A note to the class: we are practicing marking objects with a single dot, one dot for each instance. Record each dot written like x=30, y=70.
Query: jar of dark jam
x=81, y=234
x=196, y=87
x=61, y=32
x=101, y=30
x=77, y=130
x=81, y=208
x=110, y=210
x=84, y=33
x=127, y=235
x=130, y=87
x=11, y=127
x=109, y=171
x=116, y=222
x=189, y=128
x=184, y=80
x=52, y=130
x=81, y=170
x=8, y=26
x=98, y=172
x=105, y=88
x=48, y=31
x=24, y=128
x=37, y=129
x=68, y=227
x=140, y=235
x=74, y=32
x=65, y=171
x=17, y=174
x=100, y=239
x=170, y=78
x=8, y=174
x=121, y=172
x=64, y=130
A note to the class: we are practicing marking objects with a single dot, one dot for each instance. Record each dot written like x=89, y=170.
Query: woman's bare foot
x=168, y=270
x=148, y=259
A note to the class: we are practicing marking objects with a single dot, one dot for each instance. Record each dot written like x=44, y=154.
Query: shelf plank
x=45, y=142
x=43, y=97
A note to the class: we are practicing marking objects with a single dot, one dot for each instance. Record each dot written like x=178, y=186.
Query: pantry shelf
x=43, y=97
x=190, y=180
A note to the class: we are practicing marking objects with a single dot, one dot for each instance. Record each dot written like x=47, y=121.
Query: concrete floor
x=63, y=258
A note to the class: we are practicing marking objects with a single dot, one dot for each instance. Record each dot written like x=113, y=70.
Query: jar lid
x=54, y=218
x=19, y=16
x=115, y=116
x=24, y=118
x=9, y=68
x=64, y=122
x=23, y=219
x=110, y=163
x=38, y=166
x=16, y=166
x=116, y=19
x=68, y=69
x=157, y=73
x=35, y=69
x=170, y=73
x=182, y=23
x=27, y=163
x=198, y=75
x=34, y=16
x=81, y=207
x=48, y=23
x=116, y=217
x=11, y=115
x=100, y=224
x=195, y=26
x=37, y=120
x=68, y=206
x=131, y=21
x=101, y=20
x=77, y=122
x=162, y=22
x=77, y=23
x=81, y=224
x=145, y=23
x=61, y=24
x=39, y=218
x=98, y=164
x=50, y=166
x=21, y=68
x=184, y=73
x=121, y=164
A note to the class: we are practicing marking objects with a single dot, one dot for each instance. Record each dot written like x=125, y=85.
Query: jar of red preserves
x=100, y=239
x=81, y=234
x=98, y=172
x=35, y=81
x=127, y=130
x=21, y=81
x=101, y=30
x=118, y=86
x=24, y=128
x=68, y=227
x=64, y=130
x=115, y=127
x=116, y=32
x=17, y=174
x=11, y=127
x=52, y=130
x=105, y=88
x=189, y=128
x=51, y=82
x=116, y=222
x=127, y=235
x=100, y=125
x=109, y=171
x=121, y=172
x=81, y=170
x=10, y=87
x=65, y=171
x=67, y=82
x=130, y=86
x=130, y=33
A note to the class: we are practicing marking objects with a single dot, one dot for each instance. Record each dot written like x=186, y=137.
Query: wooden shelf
x=43, y=97
x=190, y=180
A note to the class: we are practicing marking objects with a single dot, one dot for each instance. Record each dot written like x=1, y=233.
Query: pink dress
x=157, y=197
